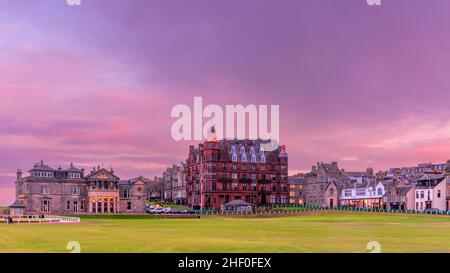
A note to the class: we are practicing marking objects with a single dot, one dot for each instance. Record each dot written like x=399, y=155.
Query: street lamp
x=201, y=197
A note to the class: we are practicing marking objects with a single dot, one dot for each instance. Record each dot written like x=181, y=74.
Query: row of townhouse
x=328, y=186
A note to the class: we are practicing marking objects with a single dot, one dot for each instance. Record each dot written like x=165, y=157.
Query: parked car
x=167, y=210
x=432, y=210
x=158, y=211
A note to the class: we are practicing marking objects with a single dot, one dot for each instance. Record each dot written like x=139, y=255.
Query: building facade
x=400, y=197
x=431, y=192
x=296, y=189
x=318, y=179
x=363, y=195
x=219, y=172
x=332, y=192
x=69, y=191
x=175, y=184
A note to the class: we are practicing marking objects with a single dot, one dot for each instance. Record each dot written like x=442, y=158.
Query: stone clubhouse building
x=70, y=191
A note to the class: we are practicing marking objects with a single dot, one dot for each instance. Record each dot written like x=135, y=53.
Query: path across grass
x=326, y=232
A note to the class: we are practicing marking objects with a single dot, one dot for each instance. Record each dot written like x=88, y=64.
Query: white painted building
x=431, y=192
x=363, y=195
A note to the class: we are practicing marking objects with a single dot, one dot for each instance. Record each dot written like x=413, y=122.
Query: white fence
x=46, y=219
x=63, y=219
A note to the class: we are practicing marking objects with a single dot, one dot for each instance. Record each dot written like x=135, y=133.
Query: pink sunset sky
x=95, y=84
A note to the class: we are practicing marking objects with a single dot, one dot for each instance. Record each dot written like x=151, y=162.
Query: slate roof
x=356, y=174
x=311, y=174
x=40, y=166
x=296, y=180
x=431, y=176
x=125, y=182
x=327, y=166
x=17, y=204
x=242, y=147
x=367, y=184
x=402, y=191
x=73, y=169
x=334, y=182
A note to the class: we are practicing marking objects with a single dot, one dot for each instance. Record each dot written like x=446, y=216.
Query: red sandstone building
x=222, y=171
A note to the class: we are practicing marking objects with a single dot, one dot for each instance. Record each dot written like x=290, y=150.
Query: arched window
x=242, y=150
x=253, y=159
x=380, y=191
x=233, y=149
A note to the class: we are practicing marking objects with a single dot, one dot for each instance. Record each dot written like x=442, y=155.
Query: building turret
x=19, y=175
x=18, y=182
x=283, y=152
x=211, y=136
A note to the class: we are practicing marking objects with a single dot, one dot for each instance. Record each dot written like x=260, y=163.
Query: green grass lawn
x=4, y=210
x=321, y=233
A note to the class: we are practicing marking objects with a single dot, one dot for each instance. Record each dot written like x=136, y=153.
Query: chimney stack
x=19, y=175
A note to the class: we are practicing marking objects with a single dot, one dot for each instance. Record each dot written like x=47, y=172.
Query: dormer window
x=242, y=150
x=234, y=157
x=244, y=158
x=233, y=149
x=263, y=159
x=74, y=175
x=253, y=158
x=43, y=174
